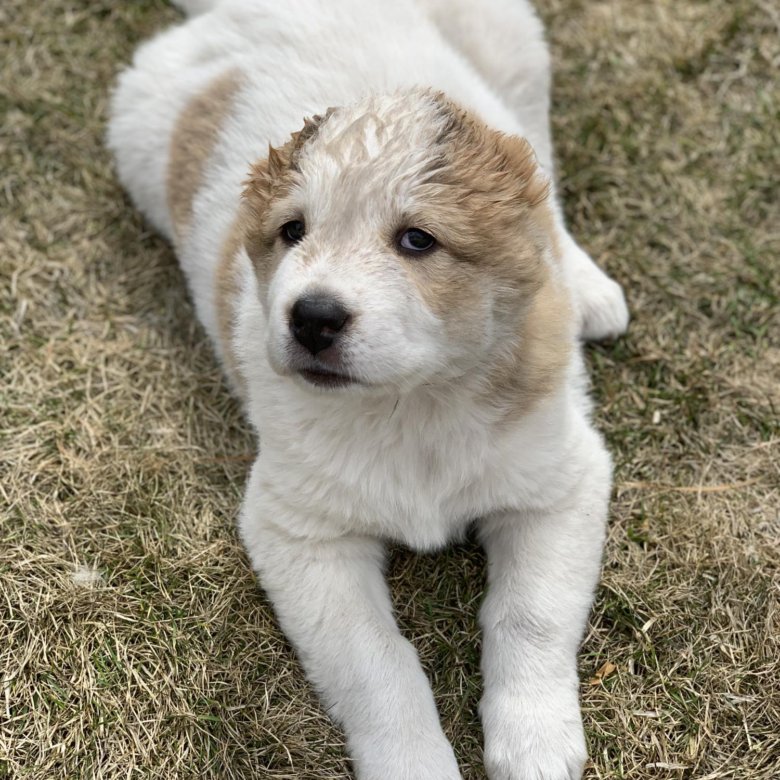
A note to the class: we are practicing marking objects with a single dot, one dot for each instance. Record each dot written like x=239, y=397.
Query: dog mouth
x=329, y=380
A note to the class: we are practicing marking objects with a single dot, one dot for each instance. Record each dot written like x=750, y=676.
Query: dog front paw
x=392, y=757
x=533, y=738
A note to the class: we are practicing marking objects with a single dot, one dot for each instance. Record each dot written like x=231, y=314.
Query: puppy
x=396, y=301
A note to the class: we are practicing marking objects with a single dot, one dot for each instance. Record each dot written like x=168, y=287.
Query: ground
x=134, y=640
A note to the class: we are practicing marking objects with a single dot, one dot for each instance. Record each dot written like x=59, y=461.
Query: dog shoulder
x=194, y=138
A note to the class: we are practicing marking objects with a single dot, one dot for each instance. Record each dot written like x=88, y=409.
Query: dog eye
x=292, y=232
x=416, y=240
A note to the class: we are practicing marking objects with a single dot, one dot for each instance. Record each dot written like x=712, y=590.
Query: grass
x=135, y=642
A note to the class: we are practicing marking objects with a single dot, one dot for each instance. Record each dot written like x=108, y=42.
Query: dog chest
x=415, y=475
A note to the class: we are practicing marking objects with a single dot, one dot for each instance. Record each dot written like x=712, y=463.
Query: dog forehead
x=385, y=140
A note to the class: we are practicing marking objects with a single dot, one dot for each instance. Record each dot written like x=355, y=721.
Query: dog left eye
x=416, y=240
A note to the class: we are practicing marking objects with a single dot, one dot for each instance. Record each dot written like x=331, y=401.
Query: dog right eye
x=292, y=232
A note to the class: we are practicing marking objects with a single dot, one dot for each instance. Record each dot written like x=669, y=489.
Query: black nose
x=316, y=321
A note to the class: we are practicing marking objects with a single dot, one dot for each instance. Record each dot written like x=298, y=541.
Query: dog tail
x=196, y=7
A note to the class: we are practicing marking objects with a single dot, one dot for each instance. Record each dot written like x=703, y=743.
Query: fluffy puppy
x=395, y=299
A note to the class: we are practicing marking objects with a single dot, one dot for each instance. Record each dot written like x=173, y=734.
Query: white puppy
x=397, y=303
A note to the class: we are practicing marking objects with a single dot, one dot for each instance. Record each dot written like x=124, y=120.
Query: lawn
x=134, y=641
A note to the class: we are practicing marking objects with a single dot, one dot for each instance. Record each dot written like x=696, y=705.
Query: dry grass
x=123, y=456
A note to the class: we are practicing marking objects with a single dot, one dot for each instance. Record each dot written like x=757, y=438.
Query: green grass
x=123, y=455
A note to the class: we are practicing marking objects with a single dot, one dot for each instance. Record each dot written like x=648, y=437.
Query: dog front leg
x=333, y=604
x=542, y=571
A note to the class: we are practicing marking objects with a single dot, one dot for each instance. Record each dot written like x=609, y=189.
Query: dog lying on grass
x=397, y=303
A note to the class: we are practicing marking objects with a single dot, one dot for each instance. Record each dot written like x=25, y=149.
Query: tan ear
x=495, y=162
x=311, y=127
x=533, y=184
x=269, y=176
x=266, y=179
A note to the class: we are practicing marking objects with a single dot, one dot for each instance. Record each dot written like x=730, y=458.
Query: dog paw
x=428, y=759
x=526, y=740
x=602, y=308
x=598, y=300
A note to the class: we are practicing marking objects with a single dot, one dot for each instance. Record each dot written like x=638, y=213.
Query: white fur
x=419, y=456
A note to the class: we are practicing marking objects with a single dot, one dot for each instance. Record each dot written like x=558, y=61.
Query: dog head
x=397, y=243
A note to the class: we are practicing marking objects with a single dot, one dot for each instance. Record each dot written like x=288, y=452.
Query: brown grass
x=123, y=456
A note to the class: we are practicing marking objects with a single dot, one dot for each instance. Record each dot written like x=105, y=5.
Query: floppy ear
x=494, y=162
x=532, y=183
x=266, y=179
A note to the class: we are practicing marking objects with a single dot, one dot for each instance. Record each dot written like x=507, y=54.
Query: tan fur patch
x=192, y=143
x=536, y=364
x=227, y=295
